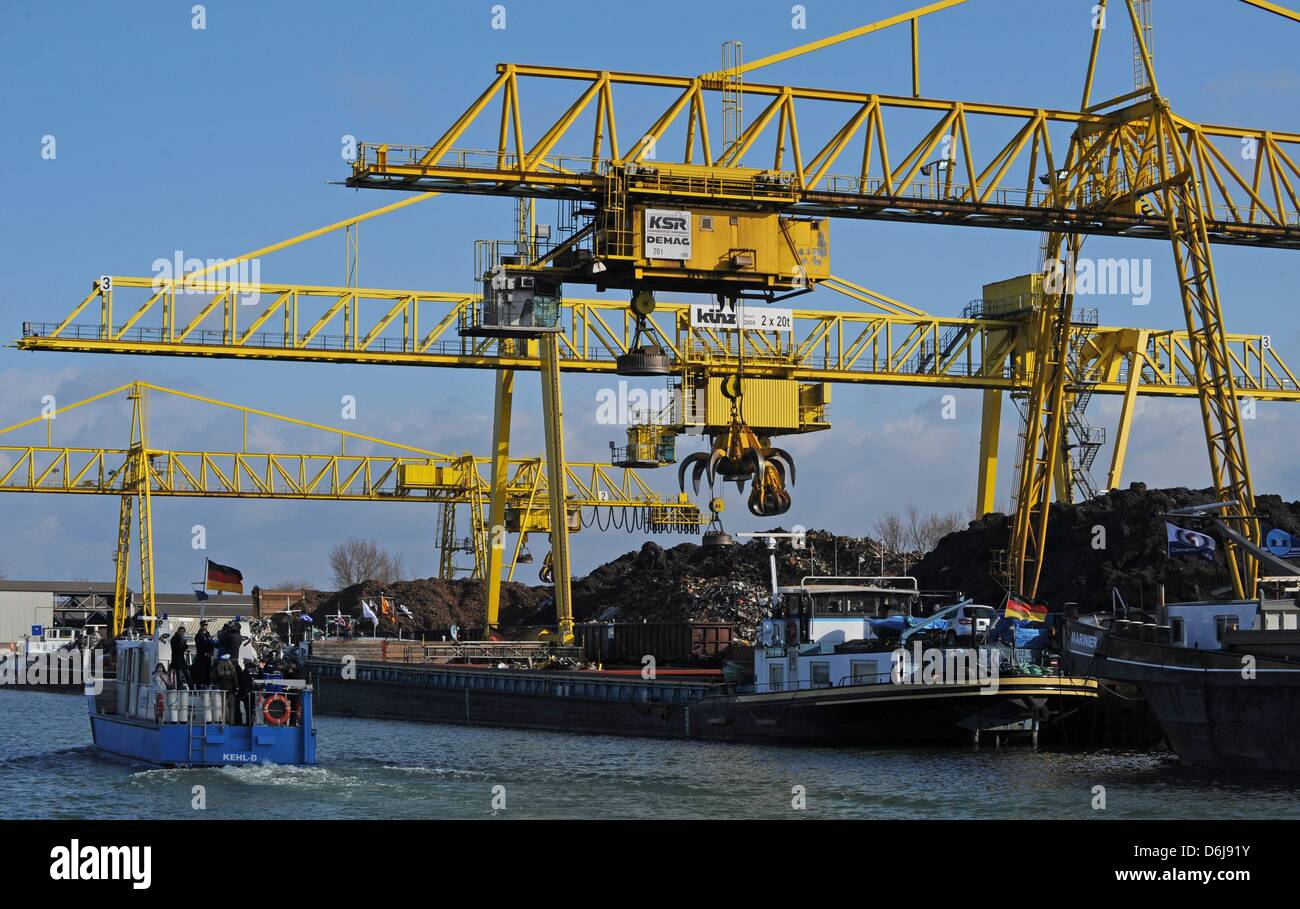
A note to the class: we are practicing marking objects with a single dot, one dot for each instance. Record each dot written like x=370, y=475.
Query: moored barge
x=828, y=669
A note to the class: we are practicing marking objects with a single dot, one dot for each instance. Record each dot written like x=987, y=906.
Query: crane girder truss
x=320, y=477
x=140, y=472
x=894, y=345
x=1003, y=163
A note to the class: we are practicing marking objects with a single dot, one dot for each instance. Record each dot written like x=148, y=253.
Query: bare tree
x=915, y=530
x=296, y=583
x=362, y=560
x=938, y=526
x=922, y=532
x=889, y=530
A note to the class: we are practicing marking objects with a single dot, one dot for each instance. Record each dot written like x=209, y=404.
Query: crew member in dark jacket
x=231, y=640
x=224, y=675
x=180, y=657
x=244, y=690
x=203, y=650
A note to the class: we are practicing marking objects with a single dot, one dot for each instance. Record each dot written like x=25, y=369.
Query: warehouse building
x=26, y=606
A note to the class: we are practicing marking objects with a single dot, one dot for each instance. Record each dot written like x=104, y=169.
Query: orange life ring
x=276, y=710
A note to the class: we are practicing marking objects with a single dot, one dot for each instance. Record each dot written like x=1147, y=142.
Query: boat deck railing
x=269, y=704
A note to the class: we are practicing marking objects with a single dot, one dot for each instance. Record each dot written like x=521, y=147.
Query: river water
x=381, y=769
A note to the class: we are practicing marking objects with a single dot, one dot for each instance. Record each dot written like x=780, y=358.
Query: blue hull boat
x=133, y=718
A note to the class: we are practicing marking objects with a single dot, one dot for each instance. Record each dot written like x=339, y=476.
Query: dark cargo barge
x=836, y=667
x=689, y=708
x=1222, y=678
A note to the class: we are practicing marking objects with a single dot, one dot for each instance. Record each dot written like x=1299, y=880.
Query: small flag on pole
x=385, y=606
x=224, y=578
x=200, y=595
x=368, y=613
x=1189, y=542
x=1024, y=610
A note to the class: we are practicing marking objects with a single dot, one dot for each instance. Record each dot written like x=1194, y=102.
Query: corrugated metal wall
x=20, y=610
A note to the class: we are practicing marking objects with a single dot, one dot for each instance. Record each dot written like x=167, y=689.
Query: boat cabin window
x=1224, y=624
x=864, y=604
x=821, y=675
x=776, y=677
x=1176, y=630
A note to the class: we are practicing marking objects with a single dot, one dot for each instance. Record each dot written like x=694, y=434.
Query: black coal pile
x=697, y=583
x=1084, y=563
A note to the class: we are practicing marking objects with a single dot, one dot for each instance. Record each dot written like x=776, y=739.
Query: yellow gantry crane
x=1126, y=171
x=1130, y=167
x=404, y=473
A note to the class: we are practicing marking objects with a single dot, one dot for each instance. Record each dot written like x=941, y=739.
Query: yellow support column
x=148, y=608
x=1126, y=415
x=1064, y=478
x=505, y=395
x=122, y=567
x=557, y=483
x=139, y=477
x=990, y=424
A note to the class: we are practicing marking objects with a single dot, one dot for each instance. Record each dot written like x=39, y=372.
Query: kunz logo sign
x=667, y=234
x=706, y=316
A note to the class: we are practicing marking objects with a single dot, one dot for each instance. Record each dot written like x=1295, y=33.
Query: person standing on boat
x=244, y=691
x=180, y=657
x=224, y=675
x=164, y=678
x=231, y=640
x=203, y=650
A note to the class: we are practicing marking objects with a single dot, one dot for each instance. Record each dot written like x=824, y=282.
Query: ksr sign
x=667, y=234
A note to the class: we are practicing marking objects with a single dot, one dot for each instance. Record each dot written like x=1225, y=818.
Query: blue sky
x=220, y=140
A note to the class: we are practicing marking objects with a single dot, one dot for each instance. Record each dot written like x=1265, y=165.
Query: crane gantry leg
x=122, y=568
x=1127, y=409
x=557, y=483
x=990, y=424
x=1198, y=287
x=505, y=394
x=135, y=486
x=1045, y=423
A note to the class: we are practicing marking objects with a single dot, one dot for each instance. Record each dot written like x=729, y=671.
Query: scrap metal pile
x=1127, y=553
x=731, y=584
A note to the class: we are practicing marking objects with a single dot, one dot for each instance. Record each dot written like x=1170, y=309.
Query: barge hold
x=829, y=670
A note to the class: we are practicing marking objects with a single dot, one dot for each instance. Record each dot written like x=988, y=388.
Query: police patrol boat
x=137, y=718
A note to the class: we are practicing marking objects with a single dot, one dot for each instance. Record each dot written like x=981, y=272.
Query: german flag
x=224, y=578
x=1025, y=610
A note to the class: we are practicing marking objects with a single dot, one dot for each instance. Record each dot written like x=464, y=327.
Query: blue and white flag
x=1189, y=542
x=1282, y=544
x=368, y=613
